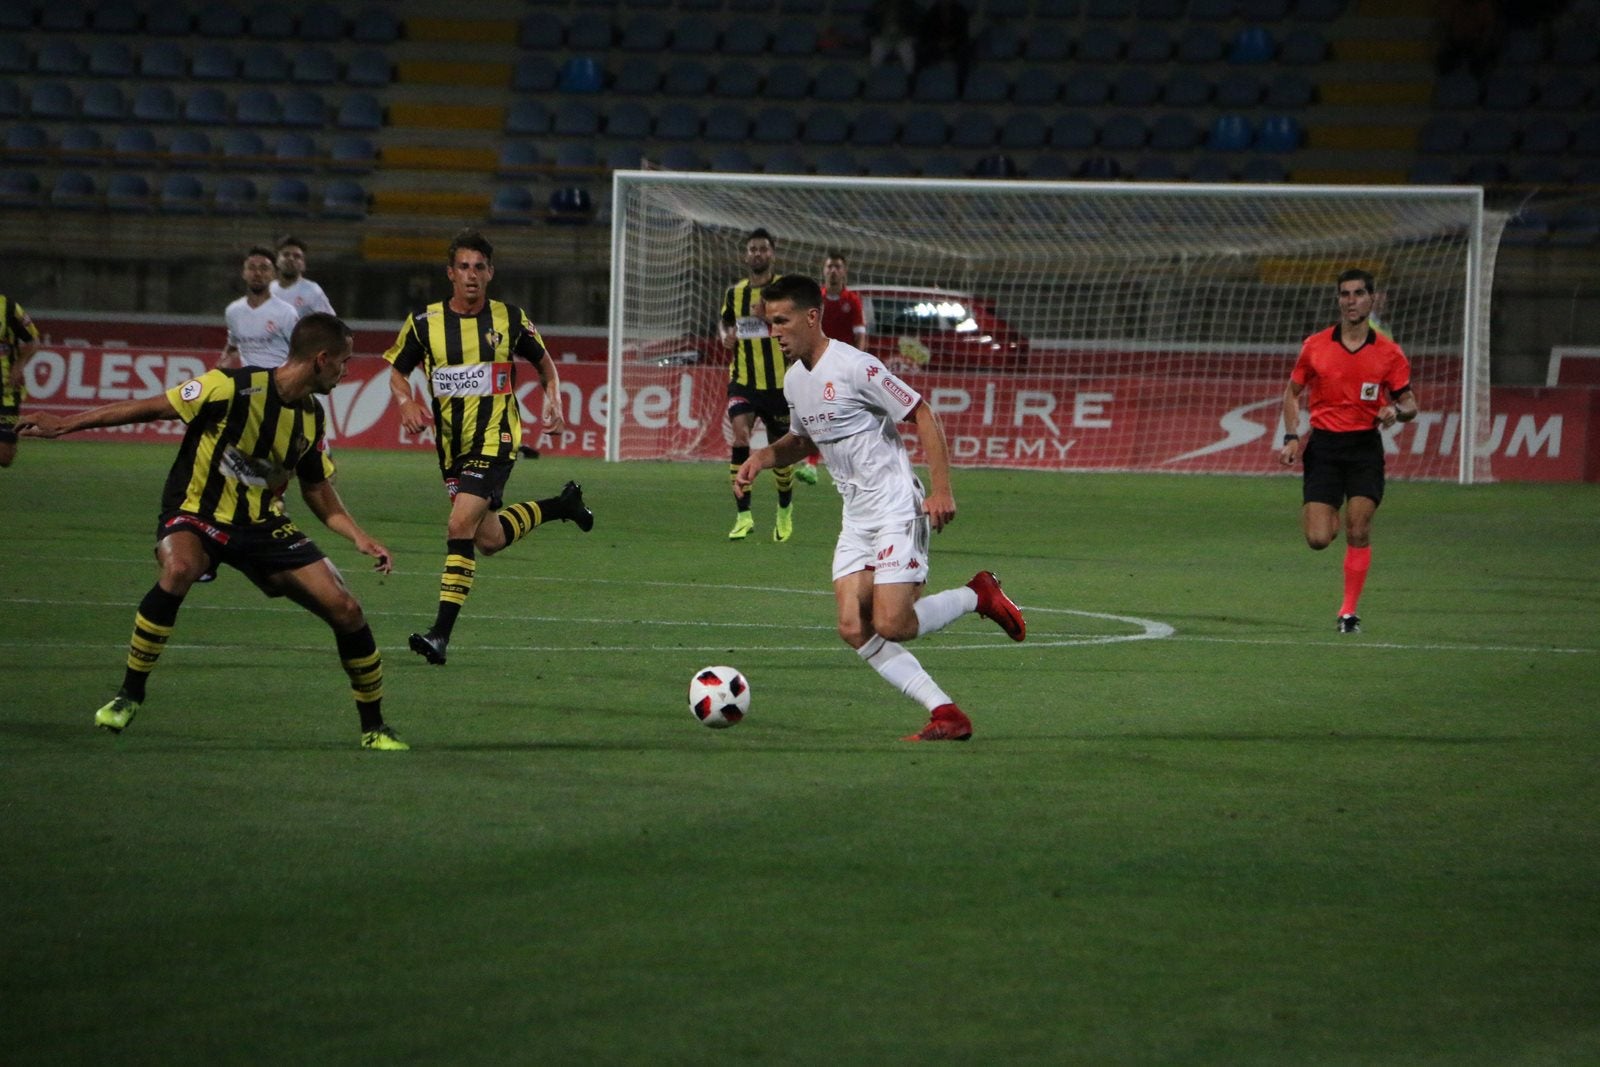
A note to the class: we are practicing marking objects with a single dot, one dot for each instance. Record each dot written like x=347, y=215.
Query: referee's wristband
x=1290, y=437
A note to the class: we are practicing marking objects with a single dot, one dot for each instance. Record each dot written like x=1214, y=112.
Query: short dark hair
x=835, y=253
x=318, y=332
x=290, y=239
x=760, y=234
x=470, y=238
x=798, y=289
x=261, y=250
x=1357, y=274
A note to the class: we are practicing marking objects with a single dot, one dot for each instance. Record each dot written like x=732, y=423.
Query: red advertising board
x=1092, y=422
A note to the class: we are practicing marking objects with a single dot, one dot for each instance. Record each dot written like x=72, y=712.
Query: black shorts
x=1342, y=465
x=768, y=405
x=259, y=550
x=483, y=476
x=9, y=413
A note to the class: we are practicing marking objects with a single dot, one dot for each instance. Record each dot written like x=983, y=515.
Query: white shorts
x=892, y=553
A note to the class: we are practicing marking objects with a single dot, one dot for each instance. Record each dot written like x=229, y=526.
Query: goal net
x=1064, y=325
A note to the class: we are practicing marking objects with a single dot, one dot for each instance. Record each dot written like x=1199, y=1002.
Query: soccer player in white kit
x=259, y=324
x=291, y=285
x=845, y=404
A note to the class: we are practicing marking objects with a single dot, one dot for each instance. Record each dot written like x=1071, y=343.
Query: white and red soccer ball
x=719, y=696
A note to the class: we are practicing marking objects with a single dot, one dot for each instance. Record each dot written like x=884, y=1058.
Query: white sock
x=936, y=612
x=900, y=669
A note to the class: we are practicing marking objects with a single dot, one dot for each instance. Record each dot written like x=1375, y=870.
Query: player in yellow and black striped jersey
x=755, y=383
x=466, y=347
x=19, y=337
x=248, y=431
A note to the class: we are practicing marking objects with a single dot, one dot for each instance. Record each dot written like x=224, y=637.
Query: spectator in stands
x=1357, y=381
x=259, y=323
x=291, y=285
x=892, y=26
x=19, y=338
x=945, y=35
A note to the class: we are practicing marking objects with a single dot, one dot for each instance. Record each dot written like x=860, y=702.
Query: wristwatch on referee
x=1290, y=437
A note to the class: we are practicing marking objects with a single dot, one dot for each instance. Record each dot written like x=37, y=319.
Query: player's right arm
x=122, y=413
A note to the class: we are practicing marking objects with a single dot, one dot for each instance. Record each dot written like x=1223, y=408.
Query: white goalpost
x=1064, y=325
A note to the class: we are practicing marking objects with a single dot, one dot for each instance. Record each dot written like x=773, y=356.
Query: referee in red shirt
x=842, y=320
x=1359, y=381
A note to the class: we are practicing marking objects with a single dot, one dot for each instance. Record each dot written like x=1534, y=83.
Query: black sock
x=736, y=457
x=152, y=625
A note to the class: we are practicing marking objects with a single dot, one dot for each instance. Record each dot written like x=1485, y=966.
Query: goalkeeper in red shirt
x=842, y=320
x=1358, y=381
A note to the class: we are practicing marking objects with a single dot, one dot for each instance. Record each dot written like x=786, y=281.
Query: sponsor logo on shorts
x=885, y=553
x=217, y=535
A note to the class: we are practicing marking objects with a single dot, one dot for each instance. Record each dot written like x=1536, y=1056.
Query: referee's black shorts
x=1342, y=465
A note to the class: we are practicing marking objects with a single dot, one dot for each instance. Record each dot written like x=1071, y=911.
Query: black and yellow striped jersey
x=757, y=363
x=16, y=330
x=468, y=361
x=242, y=445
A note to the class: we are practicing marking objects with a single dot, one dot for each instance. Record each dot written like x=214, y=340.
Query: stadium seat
x=637, y=77
x=10, y=100
x=1150, y=11
x=1050, y=167
x=788, y=81
x=694, y=35
x=59, y=57
x=370, y=68
x=681, y=157
x=1046, y=43
x=289, y=196
x=1210, y=10
x=344, y=198
x=351, y=153
x=1211, y=169
x=359, y=111
x=1123, y=133
x=838, y=161
x=1036, y=86
x=511, y=204
x=1200, y=44
x=1540, y=172
x=1546, y=136
x=986, y=85
x=936, y=84
x=295, y=151
x=1100, y=168
x=1564, y=90
x=575, y=118
x=1175, y=131
x=264, y=63
x=243, y=149
x=687, y=77
x=581, y=74
x=726, y=123
x=995, y=165
x=1442, y=134
x=1528, y=227
x=785, y=161
x=1577, y=49
x=889, y=165
x=74, y=190
x=518, y=159
x=576, y=156
x=795, y=37
x=190, y=148
x=1155, y=169
x=1085, y=88
x=81, y=146
x=128, y=192
x=1578, y=226
x=1263, y=11
x=19, y=188
x=304, y=108
x=1113, y=10
x=1318, y=10
x=15, y=58
x=168, y=20
x=1072, y=132
x=924, y=128
x=541, y=30
x=52, y=102
x=826, y=126
x=1289, y=91
x=570, y=206
x=1431, y=172
x=258, y=107
x=181, y=194
x=1279, y=133
x=1251, y=45
x=1486, y=172
x=1457, y=91
x=1057, y=9
x=63, y=16
x=1186, y=88
x=731, y=159
x=875, y=127
x=644, y=32
x=629, y=120
x=103, y=102
x=1303, y=47
x=162, y=59
x=1230, y=133
x=975, y=129
x=1264, y=170
x=214, y=62
x=742, y=79
x=1238, y=89
x=1508, y=90
x=527, y=118
x=1135, y=87
x=314, y=65
x=944, y=165
x=775, y=125
x=271, y=22
x=1023, y=131
x=220, y=20
x=745, y=38
x=322, y=22
x=997, y=43
x=1491, y=135
x=885, y=85
x=532, y=73
x=134, y=146
x=375, y=25
x=1150, y=44
x=677, y=122
x=26, y=143
x=110, y=59
x=1099, y=44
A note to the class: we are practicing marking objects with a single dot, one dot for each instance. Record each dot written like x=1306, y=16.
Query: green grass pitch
x=1196, y=825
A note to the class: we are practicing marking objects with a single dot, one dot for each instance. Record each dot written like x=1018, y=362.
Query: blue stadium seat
x=63, y=16
x=581, y=74
x=19, y=188
x=1057, y=9
x=1072, y=131
x=1100, y=168
x=681, y=157
x=1024, y=130
x=571, y=206
x=875, y=127
x=219, y=20
x=936, y=84
x=512, y=204
x=1135, y=87
x=1046, y=43
x=1123, y=133
x=826, y=125
x=726, y=122
x=189, y=148
x=181, y=194
x=314, y=65
x=885, y=84
x=243, y=149
x=10, y=100
x=369, y=68
x=74, y=190
x=1530, y=226
x=1251, y=45
x=687, y=77
x=1005, y=9
x=786, y=161
x=351, y=153
x=745, y=38
x=624, y=157
x=677, y=122
x=359, y=111
x=974, y=129
x=527, y=118
x=375, y=25
x=836, y=83
x=1150, y=44
x=258, y=107
x=838, y=161
x=637, y=77
x=740, y=79
x=576, y=155
x=645, y=32
x=27, y=143
x=1540, y=172
x=81, y=146
x=1279, y=133
x=295, y=151
x=162, y=59
x=103, y=102
x=52, y=101
x=110, y=59
x=731, y=159
x=1099, y=44
x=16, y=16
x=1036, y=86
x=344, y=198
x=995, y=165
x=214, y=62
x=775, y=125
x=1303, y=47
x=15, y=58
x=518, y=159
x=575, y=118
x=787, y=81
x=999, y=43
x=795, y=37
x=1187, y=88
x=1230, y=133
x=1085, y=87
x=264, y=63
x=59, y=56
x=1110, y=9
x=134, y=146
x=541, y=30
x=695, y=35
x=1238, y=89
x=533, y=73
x=1200, y=44
x=289, y=196
x=628, y=120
x=889, y=165
x=304, y=108
x=924, y=128
x=168, y=20
x=986, y=85
x=944, y=165
x=322, y=22
x=128, y=192
x=1546, y=136
x=1175, y=131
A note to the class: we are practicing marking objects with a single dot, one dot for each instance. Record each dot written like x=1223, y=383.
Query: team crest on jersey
x=1369, y=390
x=492, y=338
x=502, y=380
x=191, y=390
x=827, y=391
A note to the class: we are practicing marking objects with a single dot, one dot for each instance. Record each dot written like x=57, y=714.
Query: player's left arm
x=940, y=503
x=1402, y=407
x=325, y=503
x=122, y=413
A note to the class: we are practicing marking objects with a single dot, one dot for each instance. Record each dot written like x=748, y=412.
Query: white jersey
x=306, y=296
x=848, y=404
x=261, y=334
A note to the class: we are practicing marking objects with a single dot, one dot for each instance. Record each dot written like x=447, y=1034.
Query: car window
x=921, y=314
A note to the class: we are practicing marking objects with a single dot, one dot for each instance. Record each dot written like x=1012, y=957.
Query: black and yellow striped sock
x=460, y=565
x=361, y=660
x=784, y=476
x=152, y=625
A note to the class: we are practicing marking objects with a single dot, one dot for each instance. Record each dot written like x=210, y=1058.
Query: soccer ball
x=718, y=696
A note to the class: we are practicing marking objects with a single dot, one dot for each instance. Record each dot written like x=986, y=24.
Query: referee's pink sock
x=1357, y=561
